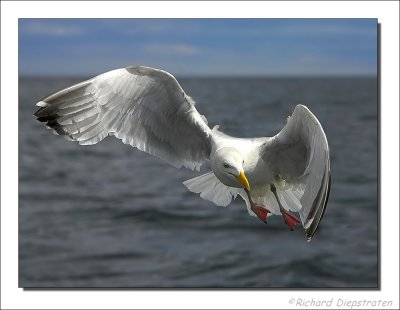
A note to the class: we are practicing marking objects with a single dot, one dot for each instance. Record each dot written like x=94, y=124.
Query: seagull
x=148, y=109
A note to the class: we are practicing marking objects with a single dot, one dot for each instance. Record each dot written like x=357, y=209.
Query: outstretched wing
x=144, y=107
x=299, y=154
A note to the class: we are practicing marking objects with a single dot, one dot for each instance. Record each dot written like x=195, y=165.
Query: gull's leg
x=288, y=217
x=259, y=210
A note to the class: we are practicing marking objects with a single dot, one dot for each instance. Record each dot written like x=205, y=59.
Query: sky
x=199, y=47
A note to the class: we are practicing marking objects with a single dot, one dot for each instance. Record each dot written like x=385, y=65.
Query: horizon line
x=213, y=75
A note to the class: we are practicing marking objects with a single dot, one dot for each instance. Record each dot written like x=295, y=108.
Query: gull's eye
x=226, y=166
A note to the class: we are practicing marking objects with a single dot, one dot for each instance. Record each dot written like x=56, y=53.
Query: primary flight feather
x=148, y=109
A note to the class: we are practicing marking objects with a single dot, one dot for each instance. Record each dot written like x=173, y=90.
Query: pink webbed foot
x=261, y=212
x=289, y=219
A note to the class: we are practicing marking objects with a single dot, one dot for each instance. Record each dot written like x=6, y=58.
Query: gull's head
x=227, y=165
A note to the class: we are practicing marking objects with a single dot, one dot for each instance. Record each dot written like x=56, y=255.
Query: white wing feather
x=210, y=188
x=299, y=154
x=142, y=106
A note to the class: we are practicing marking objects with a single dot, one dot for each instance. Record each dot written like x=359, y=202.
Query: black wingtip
x=38, y=112
x=310, y=231
x=51, y=121
x=47, y=118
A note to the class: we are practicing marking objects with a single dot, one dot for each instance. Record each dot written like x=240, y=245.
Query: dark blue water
x=110, y=216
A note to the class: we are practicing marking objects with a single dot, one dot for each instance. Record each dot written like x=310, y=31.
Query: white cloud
x=173, y=48
x=325, y=30
x=303, y=30
x=49, y=29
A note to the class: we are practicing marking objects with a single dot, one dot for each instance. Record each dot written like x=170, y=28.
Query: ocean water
x=109, y=215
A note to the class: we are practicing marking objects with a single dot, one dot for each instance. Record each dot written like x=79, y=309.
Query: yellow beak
x=242, y=179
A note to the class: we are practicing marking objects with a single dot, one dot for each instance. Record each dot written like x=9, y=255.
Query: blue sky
x=199, y=46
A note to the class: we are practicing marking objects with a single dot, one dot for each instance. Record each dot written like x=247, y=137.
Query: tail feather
x=210, y=188
x=289, y=198
x=292, y=202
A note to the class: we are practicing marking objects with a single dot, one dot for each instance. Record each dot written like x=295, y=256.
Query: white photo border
x=13, y=297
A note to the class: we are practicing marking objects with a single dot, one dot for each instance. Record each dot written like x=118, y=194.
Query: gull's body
x=148, y=109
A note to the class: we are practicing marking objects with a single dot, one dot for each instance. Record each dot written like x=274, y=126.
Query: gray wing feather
x=300, y=155
x=144, y=107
